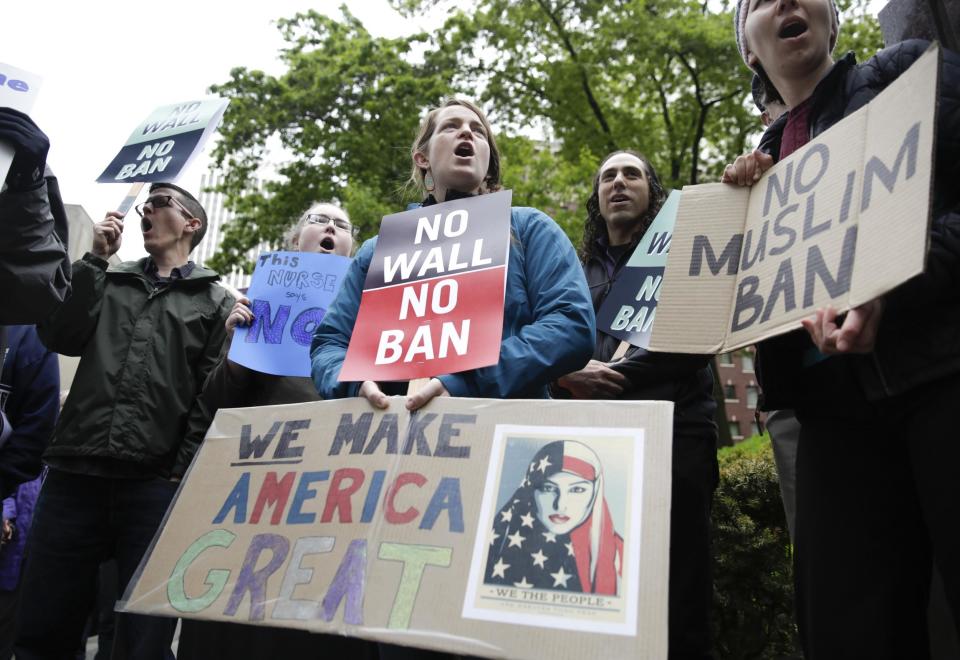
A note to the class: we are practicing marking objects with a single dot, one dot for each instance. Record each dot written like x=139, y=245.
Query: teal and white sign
x=628, y=311
x=165, y=142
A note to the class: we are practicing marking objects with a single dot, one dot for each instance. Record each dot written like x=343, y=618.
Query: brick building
x=740, y=392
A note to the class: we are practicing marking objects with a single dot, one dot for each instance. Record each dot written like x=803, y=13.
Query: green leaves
x=564, y=81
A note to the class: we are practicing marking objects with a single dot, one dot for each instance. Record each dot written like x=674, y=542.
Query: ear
x=752, y=59
x=192, y=226
x=420, y=160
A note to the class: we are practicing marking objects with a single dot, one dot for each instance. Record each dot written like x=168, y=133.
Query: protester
x=325, y=229
x=34, y=266
x=148, y=333
x=548, y=322
x=627, y=195
x=29, y=400
x=874, y=390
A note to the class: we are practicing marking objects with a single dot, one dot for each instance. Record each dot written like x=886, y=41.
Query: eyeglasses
x=324, y=220
x=160, y=201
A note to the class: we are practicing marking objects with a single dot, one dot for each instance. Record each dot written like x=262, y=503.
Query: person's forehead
x=457, y=112
x=622, y=161
x=567, y=478
x=329, y=210
x=164, y=191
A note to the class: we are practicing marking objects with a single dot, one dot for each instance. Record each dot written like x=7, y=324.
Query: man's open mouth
x=327, y=243
x=145, y=225
x=464, y=150
x=794, y=27
x=619, y=198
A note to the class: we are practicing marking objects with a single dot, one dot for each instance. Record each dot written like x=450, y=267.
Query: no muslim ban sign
x=839, y=222
x=478, y=527
x=433, y=299
x=628, y=311
x=163, y=144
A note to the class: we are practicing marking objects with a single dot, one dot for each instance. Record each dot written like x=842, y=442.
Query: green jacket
x=145, y=353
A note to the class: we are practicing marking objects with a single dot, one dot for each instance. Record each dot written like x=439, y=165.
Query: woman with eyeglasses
x=548, y=321
x=323, y=228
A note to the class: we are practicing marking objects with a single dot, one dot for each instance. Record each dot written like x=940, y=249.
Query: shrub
x=753, y=577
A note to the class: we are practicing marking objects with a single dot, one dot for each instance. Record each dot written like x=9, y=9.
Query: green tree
x=341, y=115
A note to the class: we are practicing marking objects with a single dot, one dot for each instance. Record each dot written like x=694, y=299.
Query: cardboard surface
x=163, y=144
x=290, y=293
x=18, y=90
x=629, y=310
x=433, y=299
x=481, y=527
x=839, y=222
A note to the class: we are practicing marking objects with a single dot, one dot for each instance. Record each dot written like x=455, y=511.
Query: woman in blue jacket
x=548, y=321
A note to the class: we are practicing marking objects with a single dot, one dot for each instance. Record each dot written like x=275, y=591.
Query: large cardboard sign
x=508, y=529
x=433, y=298
x=290, y=293
x=628, y=311
x=165, y=142
x=18, y=90
x=839, y=222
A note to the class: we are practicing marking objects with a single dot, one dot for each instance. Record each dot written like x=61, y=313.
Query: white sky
x=106, y=64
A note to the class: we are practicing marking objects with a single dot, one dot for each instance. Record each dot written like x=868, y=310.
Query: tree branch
x=584, y=80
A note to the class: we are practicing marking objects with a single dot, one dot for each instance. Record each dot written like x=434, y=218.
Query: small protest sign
x=628, y=311
x=290, y=292
x=18, y=90
x=433, y=298
x=162, y=146
x=508, y=529
x=839, y=222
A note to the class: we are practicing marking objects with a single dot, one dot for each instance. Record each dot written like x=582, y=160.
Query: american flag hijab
x=526, y=551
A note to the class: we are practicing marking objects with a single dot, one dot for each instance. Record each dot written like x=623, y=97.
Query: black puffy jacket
x=918, y=341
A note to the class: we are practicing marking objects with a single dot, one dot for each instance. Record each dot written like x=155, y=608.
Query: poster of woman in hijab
x=554, y=545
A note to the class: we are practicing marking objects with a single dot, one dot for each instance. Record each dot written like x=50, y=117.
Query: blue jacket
x=30, y=398
x=548, y=320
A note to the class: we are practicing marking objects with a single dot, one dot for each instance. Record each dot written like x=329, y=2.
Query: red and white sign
x=433, y=299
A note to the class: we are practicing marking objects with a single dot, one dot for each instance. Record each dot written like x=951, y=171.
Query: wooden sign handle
x=621, y=351
x=131, y=197
x=416, y=385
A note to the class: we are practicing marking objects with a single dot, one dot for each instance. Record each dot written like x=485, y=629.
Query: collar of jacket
x=430, y=200
x=138, y=267
x=827, y=91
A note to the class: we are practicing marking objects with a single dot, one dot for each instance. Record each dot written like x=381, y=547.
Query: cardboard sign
x=290, y=292
x=433, y=298
x=18, y=90
x=508, y=529
x=839, y=222
x=164, y=144
x=628, y=311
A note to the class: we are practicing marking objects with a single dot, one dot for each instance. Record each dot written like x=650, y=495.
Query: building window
x=746, y=361
x=725, y=359
x=730, y=392
x=755, y=427
x=735, y=429
x=752, y=394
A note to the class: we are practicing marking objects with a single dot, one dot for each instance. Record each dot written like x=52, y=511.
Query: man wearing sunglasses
x=148, y=332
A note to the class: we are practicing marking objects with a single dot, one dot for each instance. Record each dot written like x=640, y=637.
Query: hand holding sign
x=107, y=235
x=595, y=381
x=856, y=333
x=747, y=169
